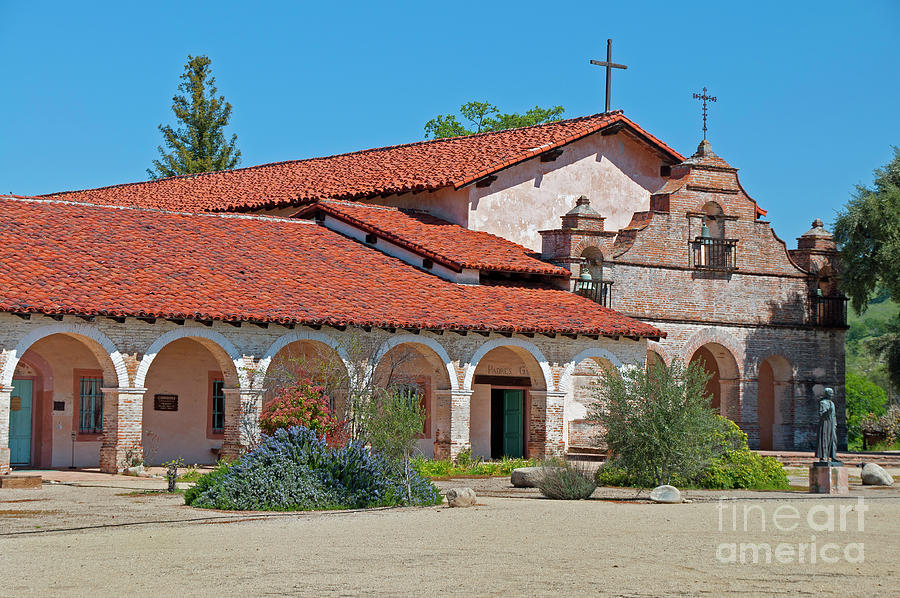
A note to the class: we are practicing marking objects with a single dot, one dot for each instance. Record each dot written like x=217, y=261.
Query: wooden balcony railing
x=828, y=311
x=599, y=291
x=713, y=254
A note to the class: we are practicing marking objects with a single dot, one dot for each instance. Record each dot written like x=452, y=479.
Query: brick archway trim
x=85, y=330
x=217, y=338
x=706, y=336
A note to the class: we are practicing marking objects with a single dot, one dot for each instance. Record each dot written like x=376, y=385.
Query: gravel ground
x=103, y=535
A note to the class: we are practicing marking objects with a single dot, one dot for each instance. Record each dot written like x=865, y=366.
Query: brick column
x=5, y=395
x=442, y=399
x=458, y=407
x=123, y=411
x=546, y=423
x=242, y=409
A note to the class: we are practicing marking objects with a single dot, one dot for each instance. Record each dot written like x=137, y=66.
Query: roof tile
x=68, y=258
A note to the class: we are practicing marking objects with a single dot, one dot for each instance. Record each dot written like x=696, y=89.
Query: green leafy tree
x=484, y=117
x=658, y=424
x=198, y=144
x=867, y=232
x=863, y=397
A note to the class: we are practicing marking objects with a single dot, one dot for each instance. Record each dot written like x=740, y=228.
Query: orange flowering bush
x=300, y=404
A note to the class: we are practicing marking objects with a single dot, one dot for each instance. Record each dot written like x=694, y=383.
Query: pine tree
x=198, y=144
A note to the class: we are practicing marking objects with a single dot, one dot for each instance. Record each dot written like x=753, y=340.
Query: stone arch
x=106, y=352
x=226, y=354
x=720, y=337
x=525, y=349
x=579, y=381
x=299, y=336
x=565, y=381
x=432, y=344
x=714, y=219
x=660, y=351
x=774, y=402
x=724, y=383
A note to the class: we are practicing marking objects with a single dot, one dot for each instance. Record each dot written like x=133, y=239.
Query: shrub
x=564, y=481
x=392, y=421
x=207, y=481
x=299, y=404
x=736, y=467
x=658, y=424
x=295, y=469
x=886, y=426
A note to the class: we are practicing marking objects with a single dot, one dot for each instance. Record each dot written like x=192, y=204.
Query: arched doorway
x=774, y=407
x=723, y=384
x=57, y=414
x=508, y=405
x=184, y=405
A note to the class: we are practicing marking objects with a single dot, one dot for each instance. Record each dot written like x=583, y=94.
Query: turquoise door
x=513, y=415
x=20, y=423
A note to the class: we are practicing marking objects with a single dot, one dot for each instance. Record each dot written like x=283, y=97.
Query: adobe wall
x=617, y=172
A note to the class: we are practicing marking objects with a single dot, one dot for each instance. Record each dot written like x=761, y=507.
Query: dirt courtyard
x=103, y=537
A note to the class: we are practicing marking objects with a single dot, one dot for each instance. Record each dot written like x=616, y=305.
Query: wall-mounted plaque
x=165, y=402
x=59, y=405
x=15, y=404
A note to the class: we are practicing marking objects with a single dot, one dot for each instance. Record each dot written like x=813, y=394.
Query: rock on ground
x=665, y=494
x=460, y=497
x=528, y=477
x=875, y=475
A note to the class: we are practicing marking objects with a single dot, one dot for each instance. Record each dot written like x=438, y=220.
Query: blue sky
x=807, y=91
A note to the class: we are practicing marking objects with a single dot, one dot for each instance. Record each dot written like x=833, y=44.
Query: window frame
x=78, y=376
x=211, y=432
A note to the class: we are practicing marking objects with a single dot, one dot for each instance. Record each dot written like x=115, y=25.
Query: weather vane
x=609, y=64
x=703, y=96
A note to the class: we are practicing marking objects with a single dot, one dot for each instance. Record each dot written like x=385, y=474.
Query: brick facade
x=753, y=303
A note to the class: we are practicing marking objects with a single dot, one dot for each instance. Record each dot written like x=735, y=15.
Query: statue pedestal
x=828, y=478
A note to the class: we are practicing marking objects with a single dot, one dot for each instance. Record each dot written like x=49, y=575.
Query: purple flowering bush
x=296, y=470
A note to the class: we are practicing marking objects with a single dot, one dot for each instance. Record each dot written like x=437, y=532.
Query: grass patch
x=444, y=469
x=191, y=475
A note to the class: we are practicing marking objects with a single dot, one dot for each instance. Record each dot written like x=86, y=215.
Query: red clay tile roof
x=444, y=242
x=422, y=166
x=64, y=258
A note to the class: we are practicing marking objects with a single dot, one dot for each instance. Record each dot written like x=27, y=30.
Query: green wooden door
x=513, y=414
x=20, y=423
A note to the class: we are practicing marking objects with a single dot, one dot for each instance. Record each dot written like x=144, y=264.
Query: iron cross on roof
x=703, y=96
x=609, y=64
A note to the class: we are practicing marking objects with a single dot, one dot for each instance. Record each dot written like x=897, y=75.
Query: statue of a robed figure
x=826, y=447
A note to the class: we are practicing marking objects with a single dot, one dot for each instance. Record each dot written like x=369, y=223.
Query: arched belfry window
x=590, y=282
x=710, y=250
x=714, y=220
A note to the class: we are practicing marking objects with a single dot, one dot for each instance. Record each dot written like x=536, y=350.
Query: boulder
x=528, y=477
x=137, y=470
x=460, y=497
x=665, y=494
x=875, y=475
